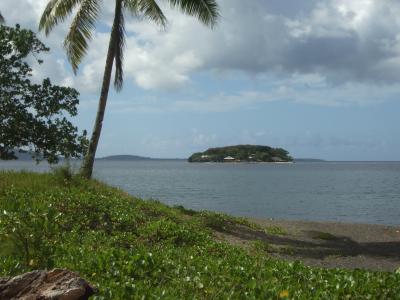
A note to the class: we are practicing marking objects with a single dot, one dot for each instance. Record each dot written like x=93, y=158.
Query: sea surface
x=364, y=192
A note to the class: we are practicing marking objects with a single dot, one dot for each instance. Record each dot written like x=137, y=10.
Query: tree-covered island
x=242, y=153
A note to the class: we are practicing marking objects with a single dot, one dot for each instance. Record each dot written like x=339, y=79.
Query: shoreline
x=326, y=244
x=357, y=230
x=318, y=221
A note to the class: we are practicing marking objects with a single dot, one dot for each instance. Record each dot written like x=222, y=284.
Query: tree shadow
x=318, y=244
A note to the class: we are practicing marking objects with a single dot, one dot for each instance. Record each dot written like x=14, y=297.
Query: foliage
x=247, y=153
x=32, y=115
x=65, y=174
x=221, y=221
x=275, y=230
x=135, y=249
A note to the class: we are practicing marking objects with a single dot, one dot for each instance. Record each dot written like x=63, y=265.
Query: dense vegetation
x=250, y=153
x=34, y=116
x=131, y=248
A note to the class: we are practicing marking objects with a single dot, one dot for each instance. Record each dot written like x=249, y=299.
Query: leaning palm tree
x=81, y=30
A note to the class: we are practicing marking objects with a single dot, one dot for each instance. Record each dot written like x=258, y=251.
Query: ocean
x=362, y=192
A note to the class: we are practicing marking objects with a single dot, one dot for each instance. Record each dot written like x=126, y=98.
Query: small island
x=242, y=153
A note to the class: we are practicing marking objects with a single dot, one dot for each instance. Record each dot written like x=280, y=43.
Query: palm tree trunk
x=87, y=166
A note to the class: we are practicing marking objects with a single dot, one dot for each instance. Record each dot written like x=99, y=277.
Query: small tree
x=32, y=115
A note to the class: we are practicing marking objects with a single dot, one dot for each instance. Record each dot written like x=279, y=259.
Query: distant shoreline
x=61, y=160
x=132, y=158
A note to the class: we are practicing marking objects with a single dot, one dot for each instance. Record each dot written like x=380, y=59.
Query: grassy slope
x=129, y=247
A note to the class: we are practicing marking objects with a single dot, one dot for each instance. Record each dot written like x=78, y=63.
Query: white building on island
x=229, y=159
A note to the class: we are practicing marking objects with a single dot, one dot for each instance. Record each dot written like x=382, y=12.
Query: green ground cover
x=130, y=248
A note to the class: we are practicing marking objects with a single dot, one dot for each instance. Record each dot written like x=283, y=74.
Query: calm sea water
x=366, y=192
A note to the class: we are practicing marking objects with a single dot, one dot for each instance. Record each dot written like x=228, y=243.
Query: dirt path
x=323, y=244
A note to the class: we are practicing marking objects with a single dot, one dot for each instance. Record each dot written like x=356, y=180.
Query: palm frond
x=205, y=10
x=80, y=32
x=2, y=19
x=56, y=12
x=118, y=41
x=148, y=9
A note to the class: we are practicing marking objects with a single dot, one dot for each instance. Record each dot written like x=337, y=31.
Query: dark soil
x=322, y=244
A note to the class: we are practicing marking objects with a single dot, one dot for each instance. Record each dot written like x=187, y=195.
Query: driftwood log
x=56, y=284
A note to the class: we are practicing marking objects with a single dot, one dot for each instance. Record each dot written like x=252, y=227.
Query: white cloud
x=302, y=89
x=341, y=41
x=348, y=43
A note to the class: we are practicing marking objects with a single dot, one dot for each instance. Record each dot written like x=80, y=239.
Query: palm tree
x=80, y=33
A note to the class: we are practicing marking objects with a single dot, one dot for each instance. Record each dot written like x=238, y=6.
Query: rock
x=56, y=284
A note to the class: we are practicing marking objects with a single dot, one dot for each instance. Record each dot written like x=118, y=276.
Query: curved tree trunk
x=87, y=166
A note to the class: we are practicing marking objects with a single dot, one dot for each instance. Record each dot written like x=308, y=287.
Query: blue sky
x=319, y=78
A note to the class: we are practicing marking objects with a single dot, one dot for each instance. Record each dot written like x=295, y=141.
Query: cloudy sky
x=320, y=78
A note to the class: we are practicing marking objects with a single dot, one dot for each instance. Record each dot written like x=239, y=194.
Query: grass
x=260, y=247
x=135, y=249
x=275, y=230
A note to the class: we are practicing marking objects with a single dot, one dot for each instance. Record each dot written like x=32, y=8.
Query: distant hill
x=123, y=157
x=24, y=155
x=242, y=153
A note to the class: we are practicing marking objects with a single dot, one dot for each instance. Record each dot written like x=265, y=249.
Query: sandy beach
x=323, y=244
